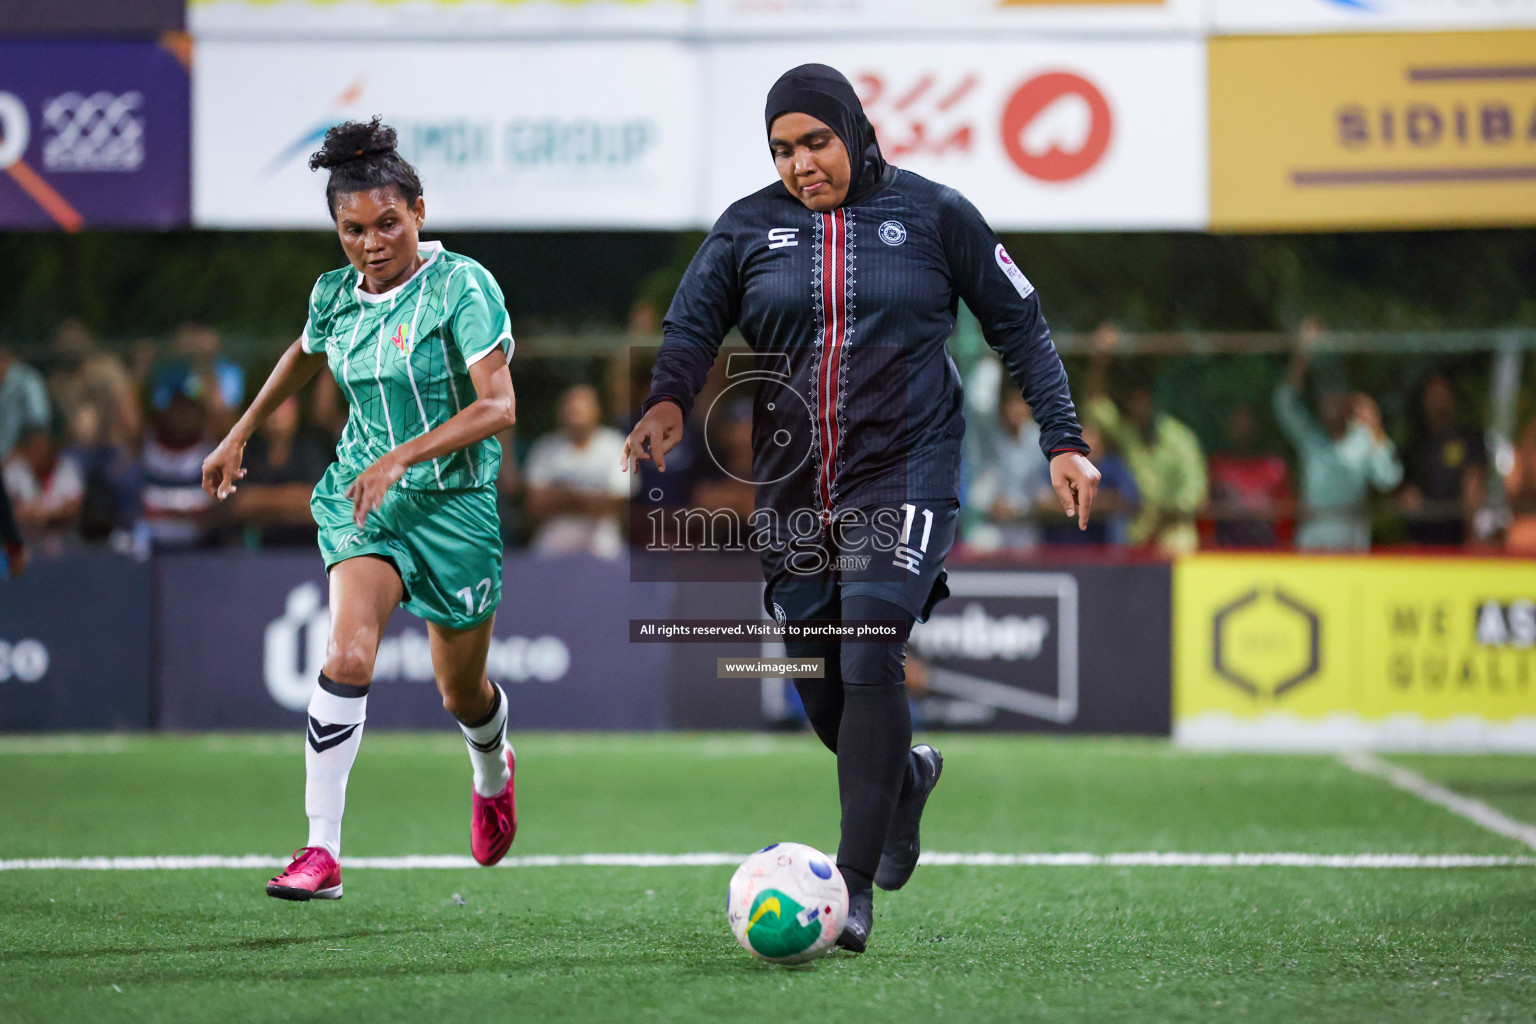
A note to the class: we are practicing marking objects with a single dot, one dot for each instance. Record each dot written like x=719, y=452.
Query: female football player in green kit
x=419, y=340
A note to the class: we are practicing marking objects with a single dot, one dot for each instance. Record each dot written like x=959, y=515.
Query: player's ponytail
x=362, y=156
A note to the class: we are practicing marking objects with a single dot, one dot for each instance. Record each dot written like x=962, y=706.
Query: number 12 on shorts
x=467, y=595
x=908, y=557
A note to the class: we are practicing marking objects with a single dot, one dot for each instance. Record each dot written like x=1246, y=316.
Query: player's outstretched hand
x=368, y=490
x=1076, y=482
x=656, y=434
x=222, y=468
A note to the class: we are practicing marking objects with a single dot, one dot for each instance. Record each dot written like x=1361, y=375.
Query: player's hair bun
x=361, y=156
x=354, y=140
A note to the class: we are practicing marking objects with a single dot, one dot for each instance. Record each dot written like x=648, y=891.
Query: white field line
x=1412, y=782
x=670, y=860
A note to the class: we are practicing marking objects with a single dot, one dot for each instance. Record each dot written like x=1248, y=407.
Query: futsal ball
x=787, y=903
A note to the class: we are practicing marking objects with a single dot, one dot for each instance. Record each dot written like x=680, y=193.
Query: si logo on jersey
x=402, y=338
x=778, y=238
x=1020, y=282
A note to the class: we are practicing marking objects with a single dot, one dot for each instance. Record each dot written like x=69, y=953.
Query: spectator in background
x=722, y=478
x=144, y=357
x=197, y=369
x=1250, y=488
x=1011, y=478
x=509, y=487
x=1341, y=459
x=283, y=462
x=86, y=374
x=686, y=463
x=576, y=482
x=328, y=408
x=1445, y=471
x=1520, y=484
x=172, y=465
x=23, y=401
x=110, y=505
x=46, y=490
x=1115, y=508
x=1163, y=454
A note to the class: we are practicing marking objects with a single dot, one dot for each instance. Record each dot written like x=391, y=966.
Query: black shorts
x=893, y=552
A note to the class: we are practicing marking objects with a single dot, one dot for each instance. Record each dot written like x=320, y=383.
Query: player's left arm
x=1008, y=307
x=480, y=325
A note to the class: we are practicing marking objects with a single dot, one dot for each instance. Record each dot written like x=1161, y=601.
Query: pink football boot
x=493, y=820
x=313, y=875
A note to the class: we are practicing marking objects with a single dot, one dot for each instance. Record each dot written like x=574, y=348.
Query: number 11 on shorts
x=908, y=557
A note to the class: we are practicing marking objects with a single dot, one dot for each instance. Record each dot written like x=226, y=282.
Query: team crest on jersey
x=402, y=338
x=893, y=232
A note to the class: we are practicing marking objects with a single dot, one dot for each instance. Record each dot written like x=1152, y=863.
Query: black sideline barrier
x=238, y=640
x=74, y=646
x=1063, y=648
x=242, y=639
x=1069, y=648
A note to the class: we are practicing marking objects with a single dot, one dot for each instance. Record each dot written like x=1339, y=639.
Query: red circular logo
x=1056, y=126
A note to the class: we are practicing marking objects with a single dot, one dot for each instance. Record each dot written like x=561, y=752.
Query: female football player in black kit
x=847, y=273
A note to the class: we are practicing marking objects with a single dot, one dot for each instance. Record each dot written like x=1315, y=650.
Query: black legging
x=860, y=712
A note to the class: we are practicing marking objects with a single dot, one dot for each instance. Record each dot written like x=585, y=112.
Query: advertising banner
x=505, y=135
x=1383, y=131
x=1076, y=648
x=1290, y=652
x=1033, y=17
x=697, y=698
x=443, y=19
x=241, y=641
x=439, y=19
x=1080, y=649
x=91, y=17
x=74, y=646
x=1071, y=135
x=92, y=135
x=1294, y=17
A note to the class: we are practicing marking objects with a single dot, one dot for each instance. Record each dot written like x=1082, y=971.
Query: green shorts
x=446, y=545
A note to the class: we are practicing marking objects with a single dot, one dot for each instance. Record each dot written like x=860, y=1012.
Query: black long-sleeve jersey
x=857, y=401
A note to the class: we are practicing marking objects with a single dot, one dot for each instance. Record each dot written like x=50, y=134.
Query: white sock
x=334, y=734
x=487, y=742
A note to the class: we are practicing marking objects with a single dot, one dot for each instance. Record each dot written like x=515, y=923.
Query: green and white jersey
x=402, y=359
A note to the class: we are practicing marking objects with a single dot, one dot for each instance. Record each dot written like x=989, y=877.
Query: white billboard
x=1040, y=136
x=436, y=19
x=1239, y=17
x=468, y=19
x=816, y=18
x=504, y=134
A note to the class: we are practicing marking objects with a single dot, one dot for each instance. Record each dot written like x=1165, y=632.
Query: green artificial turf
x=971, y=944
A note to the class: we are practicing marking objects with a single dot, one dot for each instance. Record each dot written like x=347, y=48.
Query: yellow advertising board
x=1373, y=131
x=1315, y=652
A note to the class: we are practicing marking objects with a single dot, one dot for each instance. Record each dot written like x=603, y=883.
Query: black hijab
x=826, y=95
